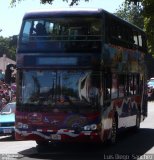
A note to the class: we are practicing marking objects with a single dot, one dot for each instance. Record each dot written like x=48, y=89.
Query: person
x=1, y=104
x=13, y=98
x=4, y=102
x=40, y=30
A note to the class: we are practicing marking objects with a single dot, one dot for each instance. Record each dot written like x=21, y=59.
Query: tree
x=71, y=2
x=148, y=13
x=131, y=13
x=149, y=23
x=8, y=47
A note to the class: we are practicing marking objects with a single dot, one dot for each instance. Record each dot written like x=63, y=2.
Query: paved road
x=130, y=145
x=148, y=125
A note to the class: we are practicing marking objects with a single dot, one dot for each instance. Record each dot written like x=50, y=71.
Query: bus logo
x=35, y=118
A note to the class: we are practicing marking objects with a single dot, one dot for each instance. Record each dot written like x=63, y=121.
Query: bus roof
x=60, y=12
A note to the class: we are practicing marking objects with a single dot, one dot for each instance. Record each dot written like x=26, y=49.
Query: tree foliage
x=149, y=23
x=148, y=13
x=70, y=2
x=8, y=47
x=131, y=13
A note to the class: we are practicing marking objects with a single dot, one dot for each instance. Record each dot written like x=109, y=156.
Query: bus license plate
x=7, y=131
x=56, y=137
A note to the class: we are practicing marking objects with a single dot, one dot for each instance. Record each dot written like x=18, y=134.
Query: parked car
x=7, y=119
x=150, y=85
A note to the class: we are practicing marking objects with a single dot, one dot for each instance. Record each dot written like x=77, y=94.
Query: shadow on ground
x=129, y=146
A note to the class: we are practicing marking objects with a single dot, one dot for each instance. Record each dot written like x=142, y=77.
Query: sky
x=11, y=18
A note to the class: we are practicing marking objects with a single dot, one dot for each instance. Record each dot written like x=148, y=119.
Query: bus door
x=106, y=81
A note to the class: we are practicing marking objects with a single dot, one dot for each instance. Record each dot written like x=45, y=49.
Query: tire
x=42, y=143
x=13, y=136
x=138, y=120
x=113, y=137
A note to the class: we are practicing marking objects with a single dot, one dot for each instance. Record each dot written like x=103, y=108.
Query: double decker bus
x=81, y=76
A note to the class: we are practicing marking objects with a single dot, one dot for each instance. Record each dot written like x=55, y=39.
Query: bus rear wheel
x=138, y=120
x=42, y=143
x=113, y=137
